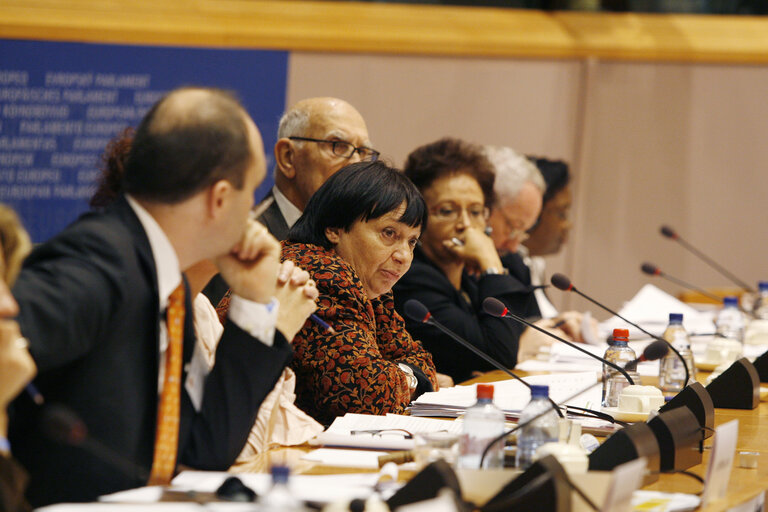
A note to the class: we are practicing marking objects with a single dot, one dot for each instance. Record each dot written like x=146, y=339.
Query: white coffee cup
x=573, y=458
x=722, y=350
x=640, y=399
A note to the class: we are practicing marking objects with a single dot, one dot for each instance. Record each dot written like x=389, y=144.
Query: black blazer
x=89, y=307
x=461, y=311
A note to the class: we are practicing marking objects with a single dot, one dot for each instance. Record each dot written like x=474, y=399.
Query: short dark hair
x=360, y=191
x=179, y=150
x=555, y=173
x=447, y=157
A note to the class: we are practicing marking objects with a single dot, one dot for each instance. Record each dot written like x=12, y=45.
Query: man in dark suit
x=93, y=303
x=316, y=138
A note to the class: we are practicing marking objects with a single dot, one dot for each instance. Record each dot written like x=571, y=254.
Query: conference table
x=744, y=485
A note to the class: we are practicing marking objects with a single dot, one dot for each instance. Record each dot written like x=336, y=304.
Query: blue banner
x=60, y=103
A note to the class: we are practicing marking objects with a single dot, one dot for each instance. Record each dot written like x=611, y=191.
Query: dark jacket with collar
x=89, y=306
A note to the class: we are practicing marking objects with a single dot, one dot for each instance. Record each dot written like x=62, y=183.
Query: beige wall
x=649, y=143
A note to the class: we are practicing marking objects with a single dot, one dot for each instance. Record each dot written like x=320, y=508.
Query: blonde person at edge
x=16, y=365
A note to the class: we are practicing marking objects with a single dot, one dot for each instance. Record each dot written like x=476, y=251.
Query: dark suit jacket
x=13, y=481
x=461, y=311
x=274, y=220
x=89, y=306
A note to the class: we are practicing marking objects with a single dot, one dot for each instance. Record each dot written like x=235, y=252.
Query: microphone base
x=761, y=365
x=738, y=387
x=679, y=436
x=552, y=494
x=698, y=400
x=630, y=443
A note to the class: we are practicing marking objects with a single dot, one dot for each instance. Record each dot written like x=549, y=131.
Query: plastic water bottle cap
x=676, y=318
x=539, y=391
x=485, y=391
x=280, y=474
x=762, y=286
x=620, y=335
x=731, y=301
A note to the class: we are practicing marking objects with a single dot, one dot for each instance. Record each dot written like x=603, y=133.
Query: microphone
x=671, y=233
x=418, y=312
x=562, y=282
x=653, y=270
x=652, y=352
x=495, y=307
x=61, y=424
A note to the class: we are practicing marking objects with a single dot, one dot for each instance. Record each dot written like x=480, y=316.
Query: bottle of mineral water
x=616, y=381
x=482, y=423
x=730, y=320
x=279, y=497
x=543, y=429
x=610, y=354
x=671, y=371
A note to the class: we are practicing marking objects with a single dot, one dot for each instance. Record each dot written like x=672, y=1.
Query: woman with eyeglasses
x=457, y=266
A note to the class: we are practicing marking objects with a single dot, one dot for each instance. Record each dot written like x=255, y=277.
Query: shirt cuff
x=255, y=318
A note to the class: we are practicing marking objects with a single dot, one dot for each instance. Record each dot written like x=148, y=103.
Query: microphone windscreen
x=63, y=425
x=655, y=350
x=561, y=282
x=415, y=310
x=668, y=232
x=494, y=307
x=650, y=269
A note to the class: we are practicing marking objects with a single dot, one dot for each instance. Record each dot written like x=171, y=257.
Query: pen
x=319, y=321
x=30, y=388
x=258, y=210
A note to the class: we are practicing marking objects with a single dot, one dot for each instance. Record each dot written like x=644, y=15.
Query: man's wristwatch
x=413, y=382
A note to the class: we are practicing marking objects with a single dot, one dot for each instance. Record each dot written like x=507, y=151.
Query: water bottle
x=279, y=497
x=543, y=429
x=610, y=355
x=482, y=423
x=730, y=320
x=761, y=304
x=616, y=381
x=671, y=371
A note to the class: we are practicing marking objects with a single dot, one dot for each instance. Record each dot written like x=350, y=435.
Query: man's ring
x=22, y=342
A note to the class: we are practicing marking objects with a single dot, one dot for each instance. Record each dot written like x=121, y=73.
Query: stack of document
x=650, y=308
x=390, y=432
x=510, y=396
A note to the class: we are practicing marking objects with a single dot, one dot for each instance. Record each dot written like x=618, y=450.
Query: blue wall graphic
x=60, y=103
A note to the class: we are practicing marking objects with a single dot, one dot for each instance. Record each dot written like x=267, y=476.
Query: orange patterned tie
x=167, y=437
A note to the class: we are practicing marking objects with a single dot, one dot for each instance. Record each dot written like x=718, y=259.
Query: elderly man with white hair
x=519, y=188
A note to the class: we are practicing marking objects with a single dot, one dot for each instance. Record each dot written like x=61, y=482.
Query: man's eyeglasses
x=450, y=212
x=515, y=233
x=345, y=149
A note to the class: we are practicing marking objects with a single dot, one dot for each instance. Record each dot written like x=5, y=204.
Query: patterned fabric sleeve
x=346, y=371
x=396, y=343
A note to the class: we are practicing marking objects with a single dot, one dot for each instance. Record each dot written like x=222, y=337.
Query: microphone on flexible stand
x=61, y=424
x=671, y=233
x=652, y=352
x=653, y=270
x=563, y=283
x=495, y=307
x=418, y=312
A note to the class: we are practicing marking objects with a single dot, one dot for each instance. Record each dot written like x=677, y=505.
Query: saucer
x=706, y=366
x=628, y=416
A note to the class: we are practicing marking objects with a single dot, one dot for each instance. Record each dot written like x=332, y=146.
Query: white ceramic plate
x=705, y=366
x=631, y=417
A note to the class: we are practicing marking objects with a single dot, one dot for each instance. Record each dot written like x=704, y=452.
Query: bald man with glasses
x=316, y=138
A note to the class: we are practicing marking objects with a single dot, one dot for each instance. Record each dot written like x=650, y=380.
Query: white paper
x=625, y=479
x=720, y=462
x=345, y=458
x=314, y=488
x=664, y=501
x=650, y=308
